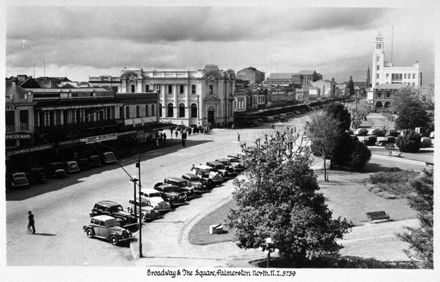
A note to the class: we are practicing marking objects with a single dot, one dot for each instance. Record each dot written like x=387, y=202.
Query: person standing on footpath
x=183, y=134
x=31, y=224
x=238, y=136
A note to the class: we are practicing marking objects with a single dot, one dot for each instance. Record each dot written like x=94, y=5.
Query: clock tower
x=377, y=69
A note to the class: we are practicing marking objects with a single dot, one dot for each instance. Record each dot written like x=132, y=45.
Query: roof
x=175, y=178
x=280, y=76
x=104, y=217
x=307, y=72
x=107, y=203
x=189, y=174
x=391, y=86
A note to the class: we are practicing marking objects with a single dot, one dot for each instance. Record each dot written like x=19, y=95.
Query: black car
x=221, y=168
x=36, y=175
x=95, y=161
x=84, y=164
x=234, y=168
x=191, y=192
x=56, y=170
x=171, y=193
x=113, y=209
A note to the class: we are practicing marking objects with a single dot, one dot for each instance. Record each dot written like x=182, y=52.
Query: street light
x=134, y=180
x=269, y=249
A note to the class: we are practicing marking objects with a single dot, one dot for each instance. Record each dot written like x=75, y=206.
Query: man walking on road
x=31, y=224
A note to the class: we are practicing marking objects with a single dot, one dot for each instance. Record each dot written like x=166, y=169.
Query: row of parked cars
x=37, y=175
x=109, y=220
x=380, y=137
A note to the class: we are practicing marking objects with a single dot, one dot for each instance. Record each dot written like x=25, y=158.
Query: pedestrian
x=177, y=133
x=183, y=138
x=31, y=224
x=171, y=131
x=157, y=142
x=164, y=137
x=238, y=136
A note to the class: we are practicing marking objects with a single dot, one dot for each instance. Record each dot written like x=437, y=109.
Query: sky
x=83, y=41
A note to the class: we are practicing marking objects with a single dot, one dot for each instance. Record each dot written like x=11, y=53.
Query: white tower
x=377, y=69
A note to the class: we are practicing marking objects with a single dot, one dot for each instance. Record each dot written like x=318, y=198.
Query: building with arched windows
x=187, y=97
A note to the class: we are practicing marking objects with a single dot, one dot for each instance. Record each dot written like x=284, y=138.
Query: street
x=61, y=207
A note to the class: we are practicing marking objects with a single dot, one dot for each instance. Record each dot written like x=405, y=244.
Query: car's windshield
x=20, y=174
x=116, y=208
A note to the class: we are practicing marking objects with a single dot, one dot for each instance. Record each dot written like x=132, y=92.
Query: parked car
x=191, y=192
x=384, y=140
x=84, y=164
x=56, y=170
x=113, y=209
x=361, y=132
x=425, y=142
x=171, y=193
x=36, y=175
x=199, y=183
x=156, y=200
x=233, y=168
x=222, y=169
x=147, y=210
x=392, y=132
x=95, y=161
x=368, y=140
x=108, y=158
x=107, y=228
x=206, y=171
x=72, y=167
x=19, y=180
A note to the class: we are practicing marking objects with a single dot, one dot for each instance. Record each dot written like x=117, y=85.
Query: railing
x=78, y=126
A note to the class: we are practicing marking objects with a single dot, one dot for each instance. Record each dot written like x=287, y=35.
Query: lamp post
x=138, y=165
x=269, y=249
x=134, y=180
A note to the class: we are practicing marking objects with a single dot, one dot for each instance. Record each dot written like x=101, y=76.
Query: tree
x=421, y=239
x=411, y=111
x=278, y=199
x=359, y=156
x=350, y=86
x=323, y=132
x=409, y=141
x=339, y=113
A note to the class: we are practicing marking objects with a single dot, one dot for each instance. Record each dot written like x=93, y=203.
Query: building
x=106, y=81
x=187, y=97
x=251, y=74
x=280, y=79
x=61, y=124
x=383, y=72
x=305, y=77
x=381, y=97
x=325, y=88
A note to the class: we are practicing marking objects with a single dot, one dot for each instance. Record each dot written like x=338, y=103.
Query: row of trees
x=328, y=133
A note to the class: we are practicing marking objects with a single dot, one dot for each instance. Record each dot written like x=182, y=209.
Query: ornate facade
x=187, y=97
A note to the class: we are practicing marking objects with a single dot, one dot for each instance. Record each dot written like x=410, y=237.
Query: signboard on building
x=18, y=136
x=99, y=138
x=29, y=150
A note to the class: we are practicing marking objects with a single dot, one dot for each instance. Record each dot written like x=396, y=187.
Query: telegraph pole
x=138, y=165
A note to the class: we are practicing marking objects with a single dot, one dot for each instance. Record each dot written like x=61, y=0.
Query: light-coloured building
x=187, y=97
x=383, y=72
x=381, y=98
x=326, y=88
x=251, y=74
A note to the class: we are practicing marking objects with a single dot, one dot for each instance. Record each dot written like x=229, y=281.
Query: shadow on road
x=44, y=234
x=71, y=179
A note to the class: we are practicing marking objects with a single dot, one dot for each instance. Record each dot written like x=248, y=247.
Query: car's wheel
x=114, y=240
x=143, y=217
x=90, y=233
x=185, y=197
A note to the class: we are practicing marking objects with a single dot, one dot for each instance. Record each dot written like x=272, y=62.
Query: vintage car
x=72, y=167
x=56, y=170
x=107, y=227
x=361, y=132
x=232, y=166
x=206, y=171
x=95, y=161
x=171, y=193
x=108, y=158
x=84, y=164
x=115, y=210
x=147, y=210
x=191, y=192
x=369, y=140
x=384, y=140
x=425, y=142
x=156, y=200
x=237, y=163
x=36, y=175
x=19, y=180
x=203, y=184
x=222, y=169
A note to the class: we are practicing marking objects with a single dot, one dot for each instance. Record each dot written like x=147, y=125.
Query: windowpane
x=170, y=110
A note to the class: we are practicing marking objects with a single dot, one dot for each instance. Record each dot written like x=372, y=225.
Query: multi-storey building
x=304, y=78
x=383, y=72
x=382, y=96
x=325, y=88
x=280, y=79
x=187, y=97
x=251, y=74
x=106, y=81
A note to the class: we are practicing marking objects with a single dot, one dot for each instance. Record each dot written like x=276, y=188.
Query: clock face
x=378, y=46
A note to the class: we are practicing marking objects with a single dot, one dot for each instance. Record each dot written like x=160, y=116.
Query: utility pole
x=138, y=165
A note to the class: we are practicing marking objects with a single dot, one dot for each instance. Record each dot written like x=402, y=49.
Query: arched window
x=181, y=110
x=132, y=88
x=160, y=110
x=193, y=110
x=170, y=110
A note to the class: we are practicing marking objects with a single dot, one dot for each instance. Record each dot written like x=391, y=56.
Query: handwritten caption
x=173, y=273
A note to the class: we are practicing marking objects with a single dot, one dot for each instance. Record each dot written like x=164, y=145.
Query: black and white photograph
x=269, y=140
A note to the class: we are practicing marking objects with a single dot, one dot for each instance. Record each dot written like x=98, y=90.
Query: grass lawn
x=199, y=234
x=424, y=155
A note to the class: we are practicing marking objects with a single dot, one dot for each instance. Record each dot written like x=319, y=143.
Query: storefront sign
x=99, y=138
x=29, y=150
x=18, y=136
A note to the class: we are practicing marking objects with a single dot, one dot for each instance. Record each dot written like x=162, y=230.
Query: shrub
x=409, y=141
x=360, y=155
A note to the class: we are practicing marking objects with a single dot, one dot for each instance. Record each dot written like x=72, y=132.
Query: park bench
x=377, y=215
x=216, y=229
